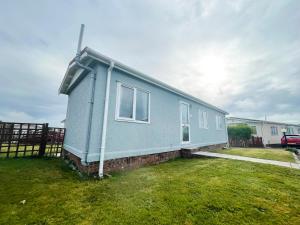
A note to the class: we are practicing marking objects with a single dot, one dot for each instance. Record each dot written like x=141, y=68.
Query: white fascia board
x=71, y=71
x=90, y=53
x=106, y=60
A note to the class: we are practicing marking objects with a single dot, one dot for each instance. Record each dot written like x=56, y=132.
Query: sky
x=242, y=56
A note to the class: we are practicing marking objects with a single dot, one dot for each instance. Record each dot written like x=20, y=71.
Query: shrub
x=240, y=131
x=293, y=150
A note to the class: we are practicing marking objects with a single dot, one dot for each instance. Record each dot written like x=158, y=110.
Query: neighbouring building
x=269, y=131
x=123, y=118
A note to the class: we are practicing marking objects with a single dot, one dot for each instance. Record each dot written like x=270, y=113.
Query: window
x=253, y=130
x=203, y=119
x=133, y=104
x=219, y=123
x=185, y=122
x=290, y=130
x=142, y=104
x=185, y=134
x=274, y=131
x=126, y=102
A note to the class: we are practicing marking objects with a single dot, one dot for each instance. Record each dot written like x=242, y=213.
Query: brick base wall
x=138, y=161
x=134, y=162
x=187, y=153
x=91, y=168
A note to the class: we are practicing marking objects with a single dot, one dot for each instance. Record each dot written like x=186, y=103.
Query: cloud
x=240, y=55
x=16, y=116
x=23, y=117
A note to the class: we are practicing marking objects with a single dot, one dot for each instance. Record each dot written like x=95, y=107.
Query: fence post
x=44, y=140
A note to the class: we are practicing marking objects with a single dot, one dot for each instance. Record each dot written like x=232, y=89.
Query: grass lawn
x=262, y=153
x=183, y=191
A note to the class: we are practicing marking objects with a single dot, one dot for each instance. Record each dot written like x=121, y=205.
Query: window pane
x=205, y=119
x=185, y=133
x=290, y=130
x=142, y=100
x=201, y=119
x=219, y=122
x=184, y=114
x=253, y=130
x=126, y=102
x=274, y=131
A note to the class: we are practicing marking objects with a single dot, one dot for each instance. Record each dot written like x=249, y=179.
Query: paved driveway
x=249, y=159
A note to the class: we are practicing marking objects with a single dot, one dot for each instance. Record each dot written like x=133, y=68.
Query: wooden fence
x=30, y=139
x=252, y=142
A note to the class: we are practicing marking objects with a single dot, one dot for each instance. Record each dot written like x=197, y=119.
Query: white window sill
x=131, y=121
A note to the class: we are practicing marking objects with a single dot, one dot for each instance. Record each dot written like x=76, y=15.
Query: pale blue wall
x=130, y=139
x=76, y=118
x=98, y=110
x=163, y=132
x=77, y=115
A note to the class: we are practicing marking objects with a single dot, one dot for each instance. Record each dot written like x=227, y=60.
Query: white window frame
x=290, y=130
x=218, y=122
x=273, y=129
x=182, y=124
x=118, y=103
x=204, y=118
x=252, y=128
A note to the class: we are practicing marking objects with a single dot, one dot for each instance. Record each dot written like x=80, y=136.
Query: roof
x=88, y=55
x=260, y=121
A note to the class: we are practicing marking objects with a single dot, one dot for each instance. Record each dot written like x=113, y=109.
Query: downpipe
x=90, y=115
x=91, y=96
x=105, y=116
x=90, y=108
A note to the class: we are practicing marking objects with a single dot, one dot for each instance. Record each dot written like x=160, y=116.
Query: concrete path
x=249, y=159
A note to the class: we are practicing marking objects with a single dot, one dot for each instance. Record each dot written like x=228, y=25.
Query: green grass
x=262, y=153
x=184, y=191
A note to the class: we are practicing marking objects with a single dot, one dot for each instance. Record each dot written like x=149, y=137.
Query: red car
x=290, y=140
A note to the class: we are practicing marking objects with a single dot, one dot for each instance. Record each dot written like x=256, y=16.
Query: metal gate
x=30, y=139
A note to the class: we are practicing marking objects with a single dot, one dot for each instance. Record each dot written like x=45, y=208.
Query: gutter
x=88, y=52
x=106, y=60
x=105, y=117
x=259, y=121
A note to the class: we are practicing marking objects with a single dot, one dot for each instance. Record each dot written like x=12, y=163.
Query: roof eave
x=104, y=59
x=262, y=121
x=63, y=89
x=90, y=53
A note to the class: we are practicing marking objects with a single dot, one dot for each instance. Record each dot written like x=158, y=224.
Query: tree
x=239, y=132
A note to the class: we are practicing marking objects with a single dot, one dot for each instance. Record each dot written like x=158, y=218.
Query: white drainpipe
x=105, y=116
x=90, y=116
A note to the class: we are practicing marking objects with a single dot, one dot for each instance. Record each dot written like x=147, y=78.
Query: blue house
x=118, y=117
